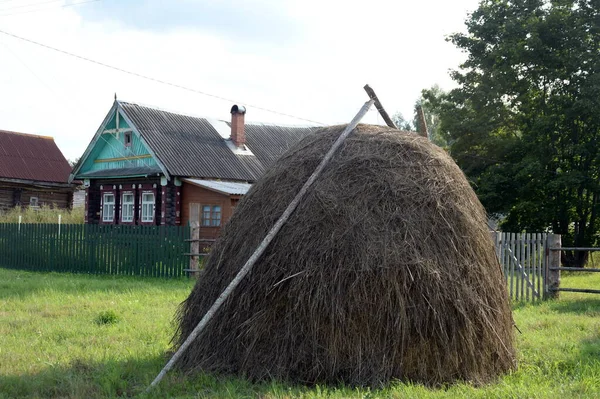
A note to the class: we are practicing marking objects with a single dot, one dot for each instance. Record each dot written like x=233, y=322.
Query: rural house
x=147, y=166
x=33, y=172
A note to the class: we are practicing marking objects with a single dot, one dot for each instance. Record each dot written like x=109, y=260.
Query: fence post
x=496, y=239
x=194, y=248
x=552, y=280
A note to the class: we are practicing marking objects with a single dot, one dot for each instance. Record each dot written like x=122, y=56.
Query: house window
x=108, y=207
x=211, y=215
x=127, y=208
x=147, y=207
x=127, y=139
x=33, y=202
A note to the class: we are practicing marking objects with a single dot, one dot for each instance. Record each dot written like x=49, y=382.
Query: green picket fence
x=153, y=251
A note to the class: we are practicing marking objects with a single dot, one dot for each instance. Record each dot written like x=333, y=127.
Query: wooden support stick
x=194, y=248
x=263, y=245
x=422, y=128
x=379, y=107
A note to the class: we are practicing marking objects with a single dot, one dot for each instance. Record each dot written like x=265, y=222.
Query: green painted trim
x=131, y=158
x=92, y=143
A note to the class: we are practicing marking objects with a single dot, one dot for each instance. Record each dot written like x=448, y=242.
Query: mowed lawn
x=77, y=336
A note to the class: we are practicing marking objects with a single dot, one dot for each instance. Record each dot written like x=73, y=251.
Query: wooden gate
x=523, y=260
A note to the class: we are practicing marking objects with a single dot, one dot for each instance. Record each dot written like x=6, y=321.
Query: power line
x=121, y=153
x=29, y=5
x=47, y=9
x=164, y=82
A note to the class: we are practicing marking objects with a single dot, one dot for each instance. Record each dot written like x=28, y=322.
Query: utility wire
x=164, y=82
x=48, y=9
x=29, y=5
x=60, y=97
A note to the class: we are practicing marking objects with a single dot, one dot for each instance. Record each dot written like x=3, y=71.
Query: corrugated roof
x=191, y=146
x=32, y=157
x=225, y=187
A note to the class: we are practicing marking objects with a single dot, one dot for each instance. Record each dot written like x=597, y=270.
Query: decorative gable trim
x=144, y=142
x=116, y=108
x=92, y=143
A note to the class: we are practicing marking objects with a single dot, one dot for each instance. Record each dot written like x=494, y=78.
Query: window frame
x=207, y=218
x=124, y=206
x=103, y=218
x=127, y=139
x=37, y=202
x=142, y=206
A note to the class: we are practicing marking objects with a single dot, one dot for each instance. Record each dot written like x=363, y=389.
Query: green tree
x=524, y=121
x=428, y=100
x=401, y=123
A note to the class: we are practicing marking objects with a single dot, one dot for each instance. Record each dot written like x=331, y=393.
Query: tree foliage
x=524, y=121
x=432, y=117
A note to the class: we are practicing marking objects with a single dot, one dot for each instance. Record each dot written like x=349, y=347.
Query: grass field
x=43, y=214
x=77, y=336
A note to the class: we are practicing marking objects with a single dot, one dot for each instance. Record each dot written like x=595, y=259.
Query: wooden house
x=148, y=166
x=33, y=172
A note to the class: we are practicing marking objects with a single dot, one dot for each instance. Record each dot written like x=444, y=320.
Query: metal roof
x=32, y=157
x=225, y=187
x=191, y=146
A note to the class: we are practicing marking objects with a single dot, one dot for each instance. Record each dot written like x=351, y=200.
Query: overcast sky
x=307, y=58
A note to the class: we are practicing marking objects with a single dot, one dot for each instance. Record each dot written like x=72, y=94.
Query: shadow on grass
x=18, y=283
x=82, y=379
x=589, y=306
x=130, y=378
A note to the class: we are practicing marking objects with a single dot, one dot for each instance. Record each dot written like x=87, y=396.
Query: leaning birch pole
x=263, y=245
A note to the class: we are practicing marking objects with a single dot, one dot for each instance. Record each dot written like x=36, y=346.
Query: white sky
x=308, y=58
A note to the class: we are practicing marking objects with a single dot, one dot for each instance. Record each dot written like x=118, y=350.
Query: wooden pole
x=194, y=248
x=422, y=128
x=552, y=282
x=384, y=114
x=263, y=245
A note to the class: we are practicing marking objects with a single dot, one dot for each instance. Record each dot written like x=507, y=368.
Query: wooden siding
x=197, y=195
x=79, y=198
x=6, y=198
x=14, y=194
x=94, y=195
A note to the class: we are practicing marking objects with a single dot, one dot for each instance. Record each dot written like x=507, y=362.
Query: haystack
x=386, y=270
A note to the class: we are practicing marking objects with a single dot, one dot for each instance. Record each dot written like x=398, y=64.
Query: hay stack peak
x=385, y=271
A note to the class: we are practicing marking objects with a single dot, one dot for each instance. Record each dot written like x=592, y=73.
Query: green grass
x=77, y=336
x=43, y=214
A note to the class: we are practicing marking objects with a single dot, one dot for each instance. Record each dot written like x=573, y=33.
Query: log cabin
x=148, y=166
x=33, y=172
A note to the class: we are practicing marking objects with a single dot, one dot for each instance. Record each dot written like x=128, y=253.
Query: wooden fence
x=154, y=251
x=523, y=260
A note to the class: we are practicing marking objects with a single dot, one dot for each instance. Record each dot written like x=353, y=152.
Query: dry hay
x=385, y=270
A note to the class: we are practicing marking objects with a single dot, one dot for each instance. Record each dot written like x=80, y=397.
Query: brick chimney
x=238, y=133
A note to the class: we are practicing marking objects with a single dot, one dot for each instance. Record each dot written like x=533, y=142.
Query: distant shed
x=33, y=172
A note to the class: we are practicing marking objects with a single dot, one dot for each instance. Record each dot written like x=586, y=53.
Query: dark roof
x=269, y=142
x=32, y=157
x=191, y=146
